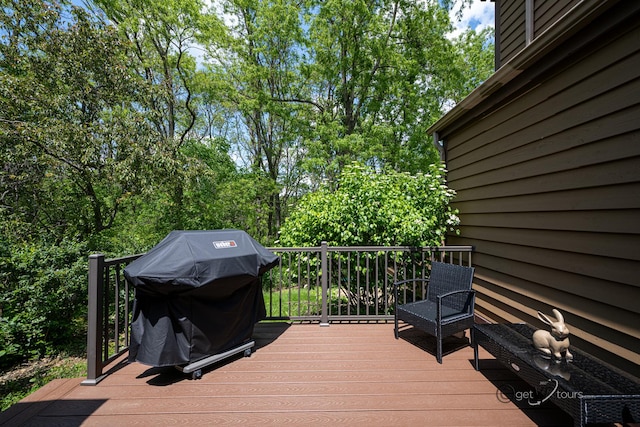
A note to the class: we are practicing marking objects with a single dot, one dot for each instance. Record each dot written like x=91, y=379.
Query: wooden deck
x=301, y=374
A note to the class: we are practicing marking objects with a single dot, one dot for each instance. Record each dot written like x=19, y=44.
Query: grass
x=19, y=382
x=293, y=302
x=300, y=301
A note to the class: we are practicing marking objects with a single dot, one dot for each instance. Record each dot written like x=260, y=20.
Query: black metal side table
x=588, y=389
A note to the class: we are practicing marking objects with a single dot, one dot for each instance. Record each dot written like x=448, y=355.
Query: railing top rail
x=459, y=248
x=296, y=249
x=129, y=258
x=119, y=260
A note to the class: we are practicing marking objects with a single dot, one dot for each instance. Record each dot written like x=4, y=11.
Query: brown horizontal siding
x=590, y=270
x=547, y=175
x=515, y=292
x=511, y=12
x=594, y=74
x=589, y=327
x=622, y=246
x=508, y=287
x=547, y=12
x=583, y=199
x=512, y=29
x=548, y=135
x=512, y=23
x=601, y=221
x=602, y=141
x=571, y=274
x=621, y=171
x=557, y=108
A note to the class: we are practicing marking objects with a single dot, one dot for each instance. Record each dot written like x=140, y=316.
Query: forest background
x=121, y=120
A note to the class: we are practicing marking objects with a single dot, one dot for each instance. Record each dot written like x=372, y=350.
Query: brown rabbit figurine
x=556, y=342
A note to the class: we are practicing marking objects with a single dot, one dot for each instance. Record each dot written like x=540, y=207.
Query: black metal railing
x=318, y=284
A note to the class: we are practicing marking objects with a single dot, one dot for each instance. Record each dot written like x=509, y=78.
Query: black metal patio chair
x=448, y=306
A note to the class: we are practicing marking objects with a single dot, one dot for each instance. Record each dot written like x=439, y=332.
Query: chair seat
x=427, y=311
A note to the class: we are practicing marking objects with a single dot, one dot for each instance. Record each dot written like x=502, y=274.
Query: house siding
x=547, y=175
x=546, y=12
x=512, y=28
x=512, y=22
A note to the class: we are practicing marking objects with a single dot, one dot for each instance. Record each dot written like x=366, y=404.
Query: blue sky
x=479, y=15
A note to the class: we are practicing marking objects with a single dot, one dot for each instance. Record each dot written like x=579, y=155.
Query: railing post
x=324, y=271
x=94, y=321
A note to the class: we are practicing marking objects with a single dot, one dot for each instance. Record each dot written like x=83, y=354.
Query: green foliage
x=256, y=73
x=43, y=300
x=373, y=208
x=473, y=63
x=71, y=142
x=17, y=387
x=380, y=74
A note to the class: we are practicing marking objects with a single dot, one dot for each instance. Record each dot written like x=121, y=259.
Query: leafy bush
x=372, y=208
x=379, y=209
x=43, y=300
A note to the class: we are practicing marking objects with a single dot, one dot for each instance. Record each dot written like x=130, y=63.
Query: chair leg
x=439, y=350
x=395, y=329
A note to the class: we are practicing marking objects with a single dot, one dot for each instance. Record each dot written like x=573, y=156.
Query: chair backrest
x=448, y=277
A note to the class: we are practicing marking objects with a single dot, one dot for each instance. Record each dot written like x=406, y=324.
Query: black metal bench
x=447, y=308
x=588, y=389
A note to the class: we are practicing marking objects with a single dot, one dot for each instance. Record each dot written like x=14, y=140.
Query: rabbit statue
x=556, y=342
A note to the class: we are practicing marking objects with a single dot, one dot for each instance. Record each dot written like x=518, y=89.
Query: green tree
x=379, y=70
x=43, y=300
x=473, y=61
x=73, y=151
x=255, y=73
x=207, y=172
x=164, y=36
x=374, y=208
x=72, y=141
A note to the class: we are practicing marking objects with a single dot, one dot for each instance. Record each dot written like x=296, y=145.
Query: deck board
x=301, y=374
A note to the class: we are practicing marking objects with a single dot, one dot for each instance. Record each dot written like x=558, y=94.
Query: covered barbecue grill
x=198, y=297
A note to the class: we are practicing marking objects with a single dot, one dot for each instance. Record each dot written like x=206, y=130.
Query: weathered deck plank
x=344, y=374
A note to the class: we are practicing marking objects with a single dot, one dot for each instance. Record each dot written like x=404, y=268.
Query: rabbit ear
x=544, y=318
x=558, y=315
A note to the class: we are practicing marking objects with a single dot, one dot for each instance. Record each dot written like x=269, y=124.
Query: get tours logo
x=547, y=389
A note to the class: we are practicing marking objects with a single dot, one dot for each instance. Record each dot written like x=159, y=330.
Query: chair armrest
x=471, y=294
x=455, y=292
x=402, y=282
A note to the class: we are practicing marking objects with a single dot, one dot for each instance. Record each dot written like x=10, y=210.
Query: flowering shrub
x=374, y=208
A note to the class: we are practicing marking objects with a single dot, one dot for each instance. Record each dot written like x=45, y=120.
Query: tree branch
x=300, y=101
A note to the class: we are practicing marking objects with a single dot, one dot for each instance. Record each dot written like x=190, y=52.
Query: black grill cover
x=198, y=293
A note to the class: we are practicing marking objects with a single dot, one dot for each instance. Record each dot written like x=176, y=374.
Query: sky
x=478, y=16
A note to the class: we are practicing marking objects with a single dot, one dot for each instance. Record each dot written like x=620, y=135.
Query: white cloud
x=478, y=16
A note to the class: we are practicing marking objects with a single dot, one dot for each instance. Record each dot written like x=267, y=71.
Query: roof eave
x=575, y=19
